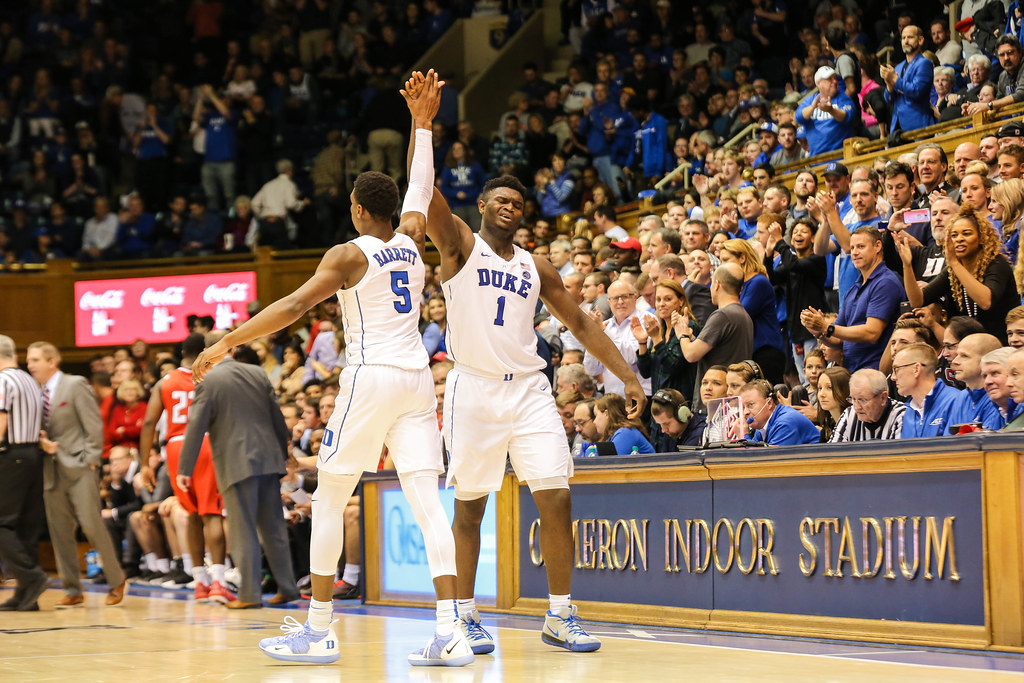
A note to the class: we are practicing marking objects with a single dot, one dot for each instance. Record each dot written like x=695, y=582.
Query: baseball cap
x=1011, y=130
x=769, y=127
x=823, y=73
x=663, y=3
x=39, y=232
x=964, y=24
x=836, y=168
x=628, y=243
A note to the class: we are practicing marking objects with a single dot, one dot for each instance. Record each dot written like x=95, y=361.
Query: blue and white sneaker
x=479, y=639
x=562, y=629
x=453, y=650
x=302, y=644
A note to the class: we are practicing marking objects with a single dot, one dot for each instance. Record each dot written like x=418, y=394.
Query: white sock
x=186, y=563
x=217, y=571
x=163, y=565
x=320, y=614
x=200, y=574
x=445, y=617
x=351, y=574
x=466, y=606
x=150, y=559
x=557, y=602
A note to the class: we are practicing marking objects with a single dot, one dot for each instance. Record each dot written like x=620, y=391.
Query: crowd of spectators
x=875, y=302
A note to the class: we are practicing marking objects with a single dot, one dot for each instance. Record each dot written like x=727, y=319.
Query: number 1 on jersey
x=500, y=318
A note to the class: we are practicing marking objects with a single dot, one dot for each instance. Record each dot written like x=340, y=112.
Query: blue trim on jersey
x=351, y=395
x=448, y=328
x=451, y=431
x=362, y=333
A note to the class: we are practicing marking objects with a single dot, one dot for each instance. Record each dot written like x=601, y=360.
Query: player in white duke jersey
x=497, y=401
x=386, y=397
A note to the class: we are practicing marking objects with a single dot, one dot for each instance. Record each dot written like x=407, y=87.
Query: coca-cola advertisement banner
x=113, y=312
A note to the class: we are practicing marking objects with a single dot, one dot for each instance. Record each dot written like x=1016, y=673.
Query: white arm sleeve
x=421, y=174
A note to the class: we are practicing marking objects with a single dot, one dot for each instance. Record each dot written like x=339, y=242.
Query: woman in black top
x=978, y=279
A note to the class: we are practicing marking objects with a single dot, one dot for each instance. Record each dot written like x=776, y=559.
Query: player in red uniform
x=173, y=395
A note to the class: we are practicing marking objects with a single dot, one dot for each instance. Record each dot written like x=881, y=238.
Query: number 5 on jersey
x=400, y=286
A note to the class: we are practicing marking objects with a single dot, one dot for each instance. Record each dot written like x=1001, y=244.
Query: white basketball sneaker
x=302, y=644
x=453, y=650
x=562, y=629
x=479, y=639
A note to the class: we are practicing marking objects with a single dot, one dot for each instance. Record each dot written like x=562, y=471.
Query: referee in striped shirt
x=872, y=415
x=21, y=480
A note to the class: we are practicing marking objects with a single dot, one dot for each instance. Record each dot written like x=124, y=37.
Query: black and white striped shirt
x=850, y=427
x=22, y=400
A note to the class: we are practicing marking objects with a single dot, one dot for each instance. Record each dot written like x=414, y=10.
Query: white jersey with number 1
x=491, y=305
x=381, y=312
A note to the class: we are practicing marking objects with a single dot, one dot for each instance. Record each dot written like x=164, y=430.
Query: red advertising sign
x=113, y=312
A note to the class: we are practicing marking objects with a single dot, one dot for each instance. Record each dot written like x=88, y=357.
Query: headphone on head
x=680, y=410
x=755, y=369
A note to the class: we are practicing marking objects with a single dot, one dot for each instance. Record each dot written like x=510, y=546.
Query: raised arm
x=338, y=265
x=423, y=99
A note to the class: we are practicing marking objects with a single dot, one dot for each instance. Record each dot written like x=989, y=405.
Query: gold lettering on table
x=831, y=524
x=889, y=573
x=588, y=558
x=932, y=540
x=847, y=551
x=808, y=565
x=676, y=540
x=765, y=542
x=536, y=555
x=901, y=538
x=700, y=529
x=604, y=539
x=638, y=537
x=748, y=523
x=576, y=541
x=723, y=522
x=871, y=522
x=627, y=554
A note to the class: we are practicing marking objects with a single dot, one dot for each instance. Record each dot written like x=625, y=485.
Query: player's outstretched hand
x=206, y=360
x=422, y=94
x=635, y=398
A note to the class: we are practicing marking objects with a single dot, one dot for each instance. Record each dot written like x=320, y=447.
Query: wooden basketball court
x=162, y=635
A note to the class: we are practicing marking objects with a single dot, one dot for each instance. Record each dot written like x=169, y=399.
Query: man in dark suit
x=236, y=405
x=72, y=437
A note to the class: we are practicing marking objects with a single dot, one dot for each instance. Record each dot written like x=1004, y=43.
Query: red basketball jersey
x=176, y=392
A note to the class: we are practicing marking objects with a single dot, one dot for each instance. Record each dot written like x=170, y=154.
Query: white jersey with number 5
x=491, y=305
x=381, y=312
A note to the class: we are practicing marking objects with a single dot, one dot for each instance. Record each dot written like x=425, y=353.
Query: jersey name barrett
x=380, y=313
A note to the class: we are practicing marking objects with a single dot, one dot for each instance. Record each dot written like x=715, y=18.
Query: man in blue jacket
x=650, y=146
x=598, y=126
x=909, y=84
x=975, y=404
x=776, y=425
x=932, y=404
x=827, y=117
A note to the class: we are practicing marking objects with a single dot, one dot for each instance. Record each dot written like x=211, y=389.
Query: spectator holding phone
x=928, y=260
x=979, y=282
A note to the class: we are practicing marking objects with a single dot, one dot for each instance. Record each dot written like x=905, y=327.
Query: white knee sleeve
x=548, y=483
x=327, y=537
x=420, y=490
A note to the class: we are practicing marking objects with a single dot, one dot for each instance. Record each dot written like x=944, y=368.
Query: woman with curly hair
x=758, y=299
x=978, y=281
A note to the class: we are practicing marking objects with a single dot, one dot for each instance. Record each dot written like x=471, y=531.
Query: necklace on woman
x=970, y=305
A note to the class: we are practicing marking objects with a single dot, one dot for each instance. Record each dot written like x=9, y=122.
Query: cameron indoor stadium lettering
x=907, y=547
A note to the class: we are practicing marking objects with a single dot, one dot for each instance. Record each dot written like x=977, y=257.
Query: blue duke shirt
x=788, y=427
x=940, y=406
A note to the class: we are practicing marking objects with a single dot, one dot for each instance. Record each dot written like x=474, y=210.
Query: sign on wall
x=403, y=561
x=155, y=309
x=901, y=547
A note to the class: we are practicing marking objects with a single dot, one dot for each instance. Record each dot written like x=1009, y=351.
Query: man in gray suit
x=72, y=437
x=236, y=405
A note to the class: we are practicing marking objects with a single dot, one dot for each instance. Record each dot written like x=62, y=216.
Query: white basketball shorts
x=486, y=419
x=381, y=405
